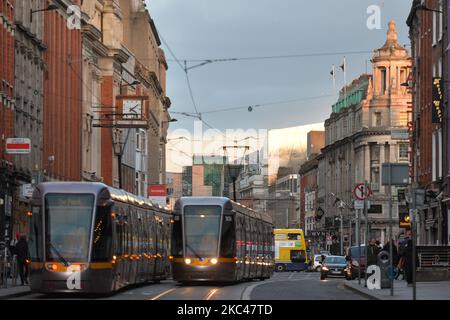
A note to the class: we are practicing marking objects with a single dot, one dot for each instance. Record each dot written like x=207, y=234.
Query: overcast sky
x=215, y=29
x=205, y=29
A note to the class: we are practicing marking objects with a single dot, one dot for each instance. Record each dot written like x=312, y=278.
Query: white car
x=317, y=265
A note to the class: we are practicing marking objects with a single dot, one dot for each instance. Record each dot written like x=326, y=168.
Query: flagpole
x=334, y=77
x=345, y=81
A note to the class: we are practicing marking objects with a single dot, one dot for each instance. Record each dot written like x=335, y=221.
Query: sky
x=218, y=29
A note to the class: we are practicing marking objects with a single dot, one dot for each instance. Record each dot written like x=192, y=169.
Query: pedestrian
x=408, y=262
x=22, y=257
x=378, y=243
x=394, y=251
x=372, y=253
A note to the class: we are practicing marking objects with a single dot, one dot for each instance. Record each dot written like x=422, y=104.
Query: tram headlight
x=213, y=261
x=188, y=261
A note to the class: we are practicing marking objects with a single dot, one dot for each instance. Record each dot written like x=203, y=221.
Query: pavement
x=438, y=290
x=13, y=291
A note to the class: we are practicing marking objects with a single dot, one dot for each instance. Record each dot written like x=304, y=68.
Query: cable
x=268, y=104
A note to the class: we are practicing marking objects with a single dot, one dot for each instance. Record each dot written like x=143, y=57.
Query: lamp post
x=51, y=7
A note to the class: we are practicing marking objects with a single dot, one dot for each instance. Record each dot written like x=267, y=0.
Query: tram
x=215, y=239
x=108, y=237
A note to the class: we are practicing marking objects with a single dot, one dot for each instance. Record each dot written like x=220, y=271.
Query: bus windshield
x=67, y=226
x=201, y=227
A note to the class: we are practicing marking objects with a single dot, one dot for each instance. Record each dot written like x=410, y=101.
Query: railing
x=433, y=257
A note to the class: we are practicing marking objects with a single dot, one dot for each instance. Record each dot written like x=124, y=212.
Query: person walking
x=372, y=253
x=408, y=262
x=23, y=254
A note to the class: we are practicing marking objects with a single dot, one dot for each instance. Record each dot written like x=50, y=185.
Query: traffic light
x=404, y=220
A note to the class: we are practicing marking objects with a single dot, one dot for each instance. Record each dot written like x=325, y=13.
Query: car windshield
x=335, y=260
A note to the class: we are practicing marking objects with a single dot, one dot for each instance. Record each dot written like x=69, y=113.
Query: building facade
x=429, y=165
x=360, y=137
x=7, y=102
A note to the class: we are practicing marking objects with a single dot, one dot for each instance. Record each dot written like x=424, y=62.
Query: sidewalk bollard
x=385, y=269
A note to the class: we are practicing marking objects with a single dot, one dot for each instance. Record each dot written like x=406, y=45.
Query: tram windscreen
x=68, y=219
x=202, y=230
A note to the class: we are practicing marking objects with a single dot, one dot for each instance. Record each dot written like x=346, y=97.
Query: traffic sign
x=18, y=146
x=361, y=192
x=359, y=204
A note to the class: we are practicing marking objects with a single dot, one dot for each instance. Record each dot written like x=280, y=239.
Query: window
x=403, y=150
x=383, y=81
x=102, y=241
x=377, y=119
x=434, y=28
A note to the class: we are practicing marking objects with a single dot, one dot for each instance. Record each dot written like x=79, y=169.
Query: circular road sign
x=362, y=192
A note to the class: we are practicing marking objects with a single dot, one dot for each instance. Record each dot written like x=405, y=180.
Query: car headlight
x=324, y=268
x=213, y=261
x=188, y=261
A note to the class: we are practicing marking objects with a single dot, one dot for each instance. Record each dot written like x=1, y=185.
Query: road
x=282, y=286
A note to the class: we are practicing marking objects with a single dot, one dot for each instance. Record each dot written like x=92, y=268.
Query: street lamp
x=51, y=7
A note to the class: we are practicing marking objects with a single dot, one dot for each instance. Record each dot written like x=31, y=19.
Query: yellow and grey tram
x=107, y=237
x=216, y=239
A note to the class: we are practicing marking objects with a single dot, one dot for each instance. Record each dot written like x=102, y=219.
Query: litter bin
x=385, y=269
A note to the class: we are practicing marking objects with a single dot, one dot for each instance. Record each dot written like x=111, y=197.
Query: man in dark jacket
x=22, y=257
x=408, y=263
x=372, y=253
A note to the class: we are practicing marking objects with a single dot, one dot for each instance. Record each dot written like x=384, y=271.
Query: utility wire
x=267, y=104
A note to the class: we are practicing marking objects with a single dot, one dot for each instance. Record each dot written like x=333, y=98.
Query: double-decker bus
x=290, y=250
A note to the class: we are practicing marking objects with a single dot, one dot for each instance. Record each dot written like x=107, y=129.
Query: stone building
x=360, y=138
x=29, y=93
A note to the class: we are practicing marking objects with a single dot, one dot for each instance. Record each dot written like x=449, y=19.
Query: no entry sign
x=362, y=192
x=18, y=145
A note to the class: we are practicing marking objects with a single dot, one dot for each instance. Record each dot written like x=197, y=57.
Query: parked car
x=317, y=265
x=334, y=266
x=356, y=258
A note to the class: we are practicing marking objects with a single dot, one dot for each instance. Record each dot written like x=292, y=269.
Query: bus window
x=298, y=256
x=294, y=236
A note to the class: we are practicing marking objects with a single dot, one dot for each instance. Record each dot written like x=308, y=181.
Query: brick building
x=428, y=34
x=6, y=113
x=62, y=96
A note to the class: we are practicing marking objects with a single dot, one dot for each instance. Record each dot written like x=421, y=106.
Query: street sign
x=27, y=190
x=359, y=204
x=361, y=192
x=18, y=146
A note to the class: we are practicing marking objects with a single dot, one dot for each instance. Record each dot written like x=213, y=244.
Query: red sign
x=362, y=192
x=157, y=190
x=18, y=145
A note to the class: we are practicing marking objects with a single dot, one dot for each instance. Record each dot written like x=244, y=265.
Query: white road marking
x=292, y=274
x=163, y=294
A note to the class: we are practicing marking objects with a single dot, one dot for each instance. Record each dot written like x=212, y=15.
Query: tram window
x=228, y=238
x=35, y=237
x=177, y=238
x=102, y=235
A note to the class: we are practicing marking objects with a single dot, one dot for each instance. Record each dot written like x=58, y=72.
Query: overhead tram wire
x=186, y=69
